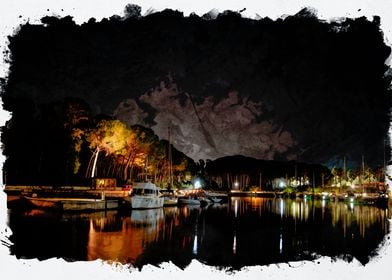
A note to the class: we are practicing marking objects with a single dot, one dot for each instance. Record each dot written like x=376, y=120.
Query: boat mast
x=146, y=168
x=344, y=170
x=363, y=173
x=384, y=171
x=170, y=158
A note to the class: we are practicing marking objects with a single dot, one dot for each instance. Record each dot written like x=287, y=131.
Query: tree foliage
x=125, y=153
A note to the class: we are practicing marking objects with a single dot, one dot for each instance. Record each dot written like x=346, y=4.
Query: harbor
x=80, y=198
x=244, y=231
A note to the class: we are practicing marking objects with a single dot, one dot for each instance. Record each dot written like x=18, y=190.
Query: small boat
x=146, y=195
x=193, y=200
x=169, y=198
x=73, y=204
x=216, y=197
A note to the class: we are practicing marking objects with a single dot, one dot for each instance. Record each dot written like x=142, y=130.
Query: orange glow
x=127, y=243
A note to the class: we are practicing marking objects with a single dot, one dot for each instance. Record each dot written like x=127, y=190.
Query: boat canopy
x=146, y=185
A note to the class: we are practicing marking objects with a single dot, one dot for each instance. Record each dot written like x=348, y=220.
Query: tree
x=110, y=136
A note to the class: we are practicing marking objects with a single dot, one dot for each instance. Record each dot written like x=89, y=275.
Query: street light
x=197, y=184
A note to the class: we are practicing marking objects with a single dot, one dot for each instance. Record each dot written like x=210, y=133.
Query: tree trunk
x=93, y=171
x=130, y=159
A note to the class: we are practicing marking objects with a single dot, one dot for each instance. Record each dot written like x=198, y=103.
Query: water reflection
x=124, y=239
x=341, y=214
x=246, y=231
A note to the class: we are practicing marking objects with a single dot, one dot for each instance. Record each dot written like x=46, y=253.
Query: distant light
x=236, y=184
x=194, y=249
x=235, y=244
x=281, y=208
x=197, y=184
x=280, y=244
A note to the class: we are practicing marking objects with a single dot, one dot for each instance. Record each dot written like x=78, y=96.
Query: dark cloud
x=321, y=85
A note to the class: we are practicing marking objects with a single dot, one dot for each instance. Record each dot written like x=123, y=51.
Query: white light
x=281, y=208
x=194, y=250
x=197, y=184
x=235, y=208
x=236, y=184
x=235, y=244
x=280, y=244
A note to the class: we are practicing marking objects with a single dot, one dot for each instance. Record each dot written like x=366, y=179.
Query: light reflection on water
x=246, y=231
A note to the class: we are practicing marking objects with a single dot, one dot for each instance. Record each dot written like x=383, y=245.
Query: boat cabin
x=145, y=189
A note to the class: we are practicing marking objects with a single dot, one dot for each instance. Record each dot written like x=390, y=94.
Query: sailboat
x=377, y=193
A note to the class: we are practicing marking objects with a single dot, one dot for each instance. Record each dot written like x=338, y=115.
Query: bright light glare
x=235, y=244
x=194, y=249
x=197, y=184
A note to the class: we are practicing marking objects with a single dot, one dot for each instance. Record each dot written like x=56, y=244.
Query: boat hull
x=190, y=201
x=146, y=202
x=73, y=204
x=170, y=201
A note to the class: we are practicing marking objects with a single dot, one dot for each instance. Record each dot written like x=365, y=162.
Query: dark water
x=246, y=231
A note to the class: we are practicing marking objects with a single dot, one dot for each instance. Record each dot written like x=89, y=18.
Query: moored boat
x=169, y=198
x=73, y=204
x=216, y=197
x=146, y=195
x=193, y=200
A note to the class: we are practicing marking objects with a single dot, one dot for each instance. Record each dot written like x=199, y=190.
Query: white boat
x=73, y=204
x=216, y=197
x=189, y=200
x=145, y=196
x=169, y=198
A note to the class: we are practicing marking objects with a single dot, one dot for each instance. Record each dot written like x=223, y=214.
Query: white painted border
x=82, y=10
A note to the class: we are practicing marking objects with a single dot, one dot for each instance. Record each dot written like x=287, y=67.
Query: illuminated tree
x=110, y=136
x=129, y=153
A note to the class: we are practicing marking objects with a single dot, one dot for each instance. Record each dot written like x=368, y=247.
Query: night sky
x=295, y=88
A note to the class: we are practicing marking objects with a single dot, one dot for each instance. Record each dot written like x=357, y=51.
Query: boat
x=193, y=200
x=146, y=195
x=169, y=198
x=194, y=197
x=216, y=197
x=190, y=196
x=72, y=204
x=377, y=198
